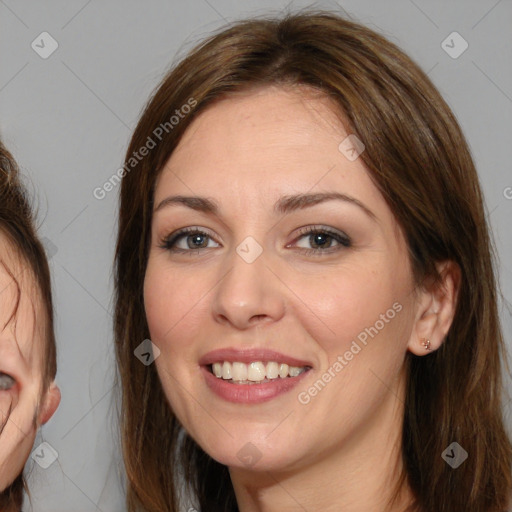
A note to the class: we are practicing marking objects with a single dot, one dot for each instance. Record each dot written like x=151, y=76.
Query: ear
x=436, y=306
x=50, y=404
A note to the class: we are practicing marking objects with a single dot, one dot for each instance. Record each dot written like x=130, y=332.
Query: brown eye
x=6, y=382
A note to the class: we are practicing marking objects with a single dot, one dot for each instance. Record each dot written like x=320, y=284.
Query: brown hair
x=418, y=158
x=18, y=226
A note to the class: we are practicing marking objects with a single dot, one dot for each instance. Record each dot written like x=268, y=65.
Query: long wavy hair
x=418, y=158
x=18, y=225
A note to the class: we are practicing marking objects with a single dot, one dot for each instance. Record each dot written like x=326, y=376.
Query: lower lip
x=250, y=393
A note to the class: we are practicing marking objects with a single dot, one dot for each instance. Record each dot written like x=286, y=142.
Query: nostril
x=258, y=318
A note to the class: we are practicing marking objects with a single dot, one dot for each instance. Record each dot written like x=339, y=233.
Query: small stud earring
x=425, y=343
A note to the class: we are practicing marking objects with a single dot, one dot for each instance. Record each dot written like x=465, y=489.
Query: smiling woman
x=314, y=227
x=28, y=395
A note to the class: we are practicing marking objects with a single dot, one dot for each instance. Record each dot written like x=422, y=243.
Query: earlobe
x=437, y=304
x=426, y=343
x=51, y=402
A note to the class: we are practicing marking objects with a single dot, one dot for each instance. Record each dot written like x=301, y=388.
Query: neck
x=360, y=474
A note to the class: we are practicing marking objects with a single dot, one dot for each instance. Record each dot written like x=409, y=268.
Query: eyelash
x=344, y=241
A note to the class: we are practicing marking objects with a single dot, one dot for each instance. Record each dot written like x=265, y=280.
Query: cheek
x=172, y=301
x=360, y=324
x=175, y=304
x=342, y=303
x=14, y=458
x=8, y=400
x=365, y=321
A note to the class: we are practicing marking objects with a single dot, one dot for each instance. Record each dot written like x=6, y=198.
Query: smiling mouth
x=256, y=372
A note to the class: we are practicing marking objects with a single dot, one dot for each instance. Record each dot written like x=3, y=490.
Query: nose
x=249, y=294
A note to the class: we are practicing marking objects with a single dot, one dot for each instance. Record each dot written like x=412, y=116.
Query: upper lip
x=250, y=355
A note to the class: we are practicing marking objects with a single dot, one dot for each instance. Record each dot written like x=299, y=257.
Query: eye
x=193, y=238
x=6, y=382
x=321, y=239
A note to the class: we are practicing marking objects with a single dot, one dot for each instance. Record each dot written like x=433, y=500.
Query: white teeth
x=294, y=371
x=257, y=371
x=272, y=370
x=226, y=370
x=217, y=369
x=239, y=371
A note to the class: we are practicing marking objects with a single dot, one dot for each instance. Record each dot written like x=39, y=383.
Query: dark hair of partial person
x=419, y=159
x=17, y=224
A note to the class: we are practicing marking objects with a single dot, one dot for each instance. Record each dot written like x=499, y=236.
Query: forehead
x=21, y=309
x=248, y=128
x=265, y=143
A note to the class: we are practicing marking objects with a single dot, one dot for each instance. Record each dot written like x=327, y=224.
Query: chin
x=246, y=452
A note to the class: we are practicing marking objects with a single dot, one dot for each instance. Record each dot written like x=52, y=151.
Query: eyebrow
x=283, y=205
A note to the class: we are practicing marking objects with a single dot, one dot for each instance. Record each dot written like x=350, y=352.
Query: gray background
x=68, y=119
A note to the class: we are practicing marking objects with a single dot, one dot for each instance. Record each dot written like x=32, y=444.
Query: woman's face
x=21, y=352
x=337, y=302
